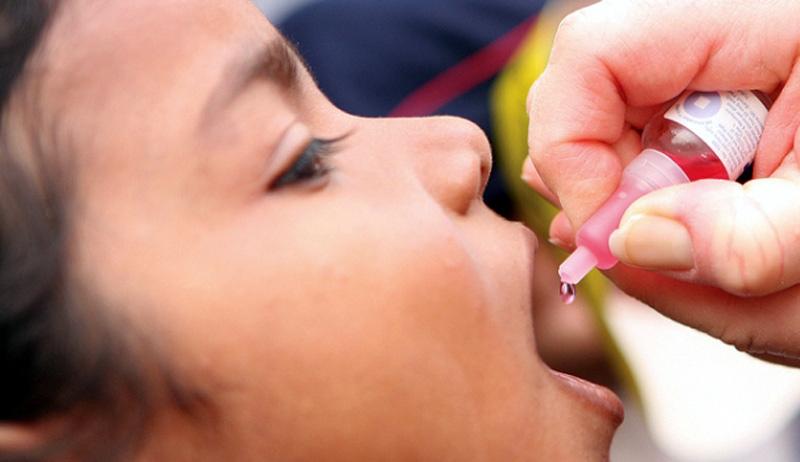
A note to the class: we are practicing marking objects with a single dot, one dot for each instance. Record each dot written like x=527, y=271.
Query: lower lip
x=600, y=399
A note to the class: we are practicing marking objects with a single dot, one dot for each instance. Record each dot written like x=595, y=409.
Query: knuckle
x=746, y=275
x=589, y=21
x=746, y=258
x=540, y=143
x=747, y=282
x=574, y=26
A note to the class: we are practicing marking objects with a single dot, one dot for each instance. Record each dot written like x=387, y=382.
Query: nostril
x=483, y=151
x=468, y=181
x=486, y=172
x=481, y=147
x=478, y=174
x=474, y=139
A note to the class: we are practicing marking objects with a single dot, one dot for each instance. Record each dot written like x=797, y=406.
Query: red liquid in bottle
x=686, y=149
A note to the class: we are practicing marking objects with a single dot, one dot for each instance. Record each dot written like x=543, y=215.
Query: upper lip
x=531, y=243
x=530, y=236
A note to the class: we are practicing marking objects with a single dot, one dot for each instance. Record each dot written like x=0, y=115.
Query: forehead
x=94, y=33
x=105, y=60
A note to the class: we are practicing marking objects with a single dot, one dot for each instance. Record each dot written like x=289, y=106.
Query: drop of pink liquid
x=568, y=293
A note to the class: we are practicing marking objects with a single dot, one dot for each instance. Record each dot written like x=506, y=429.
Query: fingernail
x=653, y=242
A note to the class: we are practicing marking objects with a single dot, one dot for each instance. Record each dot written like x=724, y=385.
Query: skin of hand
x=719, y=256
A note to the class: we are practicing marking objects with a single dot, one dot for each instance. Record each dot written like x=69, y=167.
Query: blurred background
x=277, y=9
x=687, y=397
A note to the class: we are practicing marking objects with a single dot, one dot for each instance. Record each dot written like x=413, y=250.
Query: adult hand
x=722, y=257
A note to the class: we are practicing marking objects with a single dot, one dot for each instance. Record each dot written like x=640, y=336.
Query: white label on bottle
x=730, y=123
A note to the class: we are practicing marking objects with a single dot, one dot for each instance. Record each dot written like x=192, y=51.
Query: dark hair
x=62, y=357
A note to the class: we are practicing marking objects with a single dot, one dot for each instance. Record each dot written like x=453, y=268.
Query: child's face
x=375, y=312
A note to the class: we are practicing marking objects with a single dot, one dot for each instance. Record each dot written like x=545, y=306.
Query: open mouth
x=596, y=398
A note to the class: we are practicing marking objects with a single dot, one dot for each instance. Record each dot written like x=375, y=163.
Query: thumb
x=743, y=239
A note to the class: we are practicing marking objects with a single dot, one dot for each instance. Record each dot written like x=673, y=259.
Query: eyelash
x=311, y=164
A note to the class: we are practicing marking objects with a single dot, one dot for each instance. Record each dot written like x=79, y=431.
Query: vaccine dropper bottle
x=703, y=135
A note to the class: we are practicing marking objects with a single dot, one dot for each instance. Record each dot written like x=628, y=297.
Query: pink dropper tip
x=577, y=265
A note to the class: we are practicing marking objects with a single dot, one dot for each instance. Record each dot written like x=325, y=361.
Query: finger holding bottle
x=721, y=257
x=744, y=239
x=718, y=256
x=617, y=63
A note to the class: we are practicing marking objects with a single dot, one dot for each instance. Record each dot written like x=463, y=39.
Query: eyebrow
x=273, y=60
